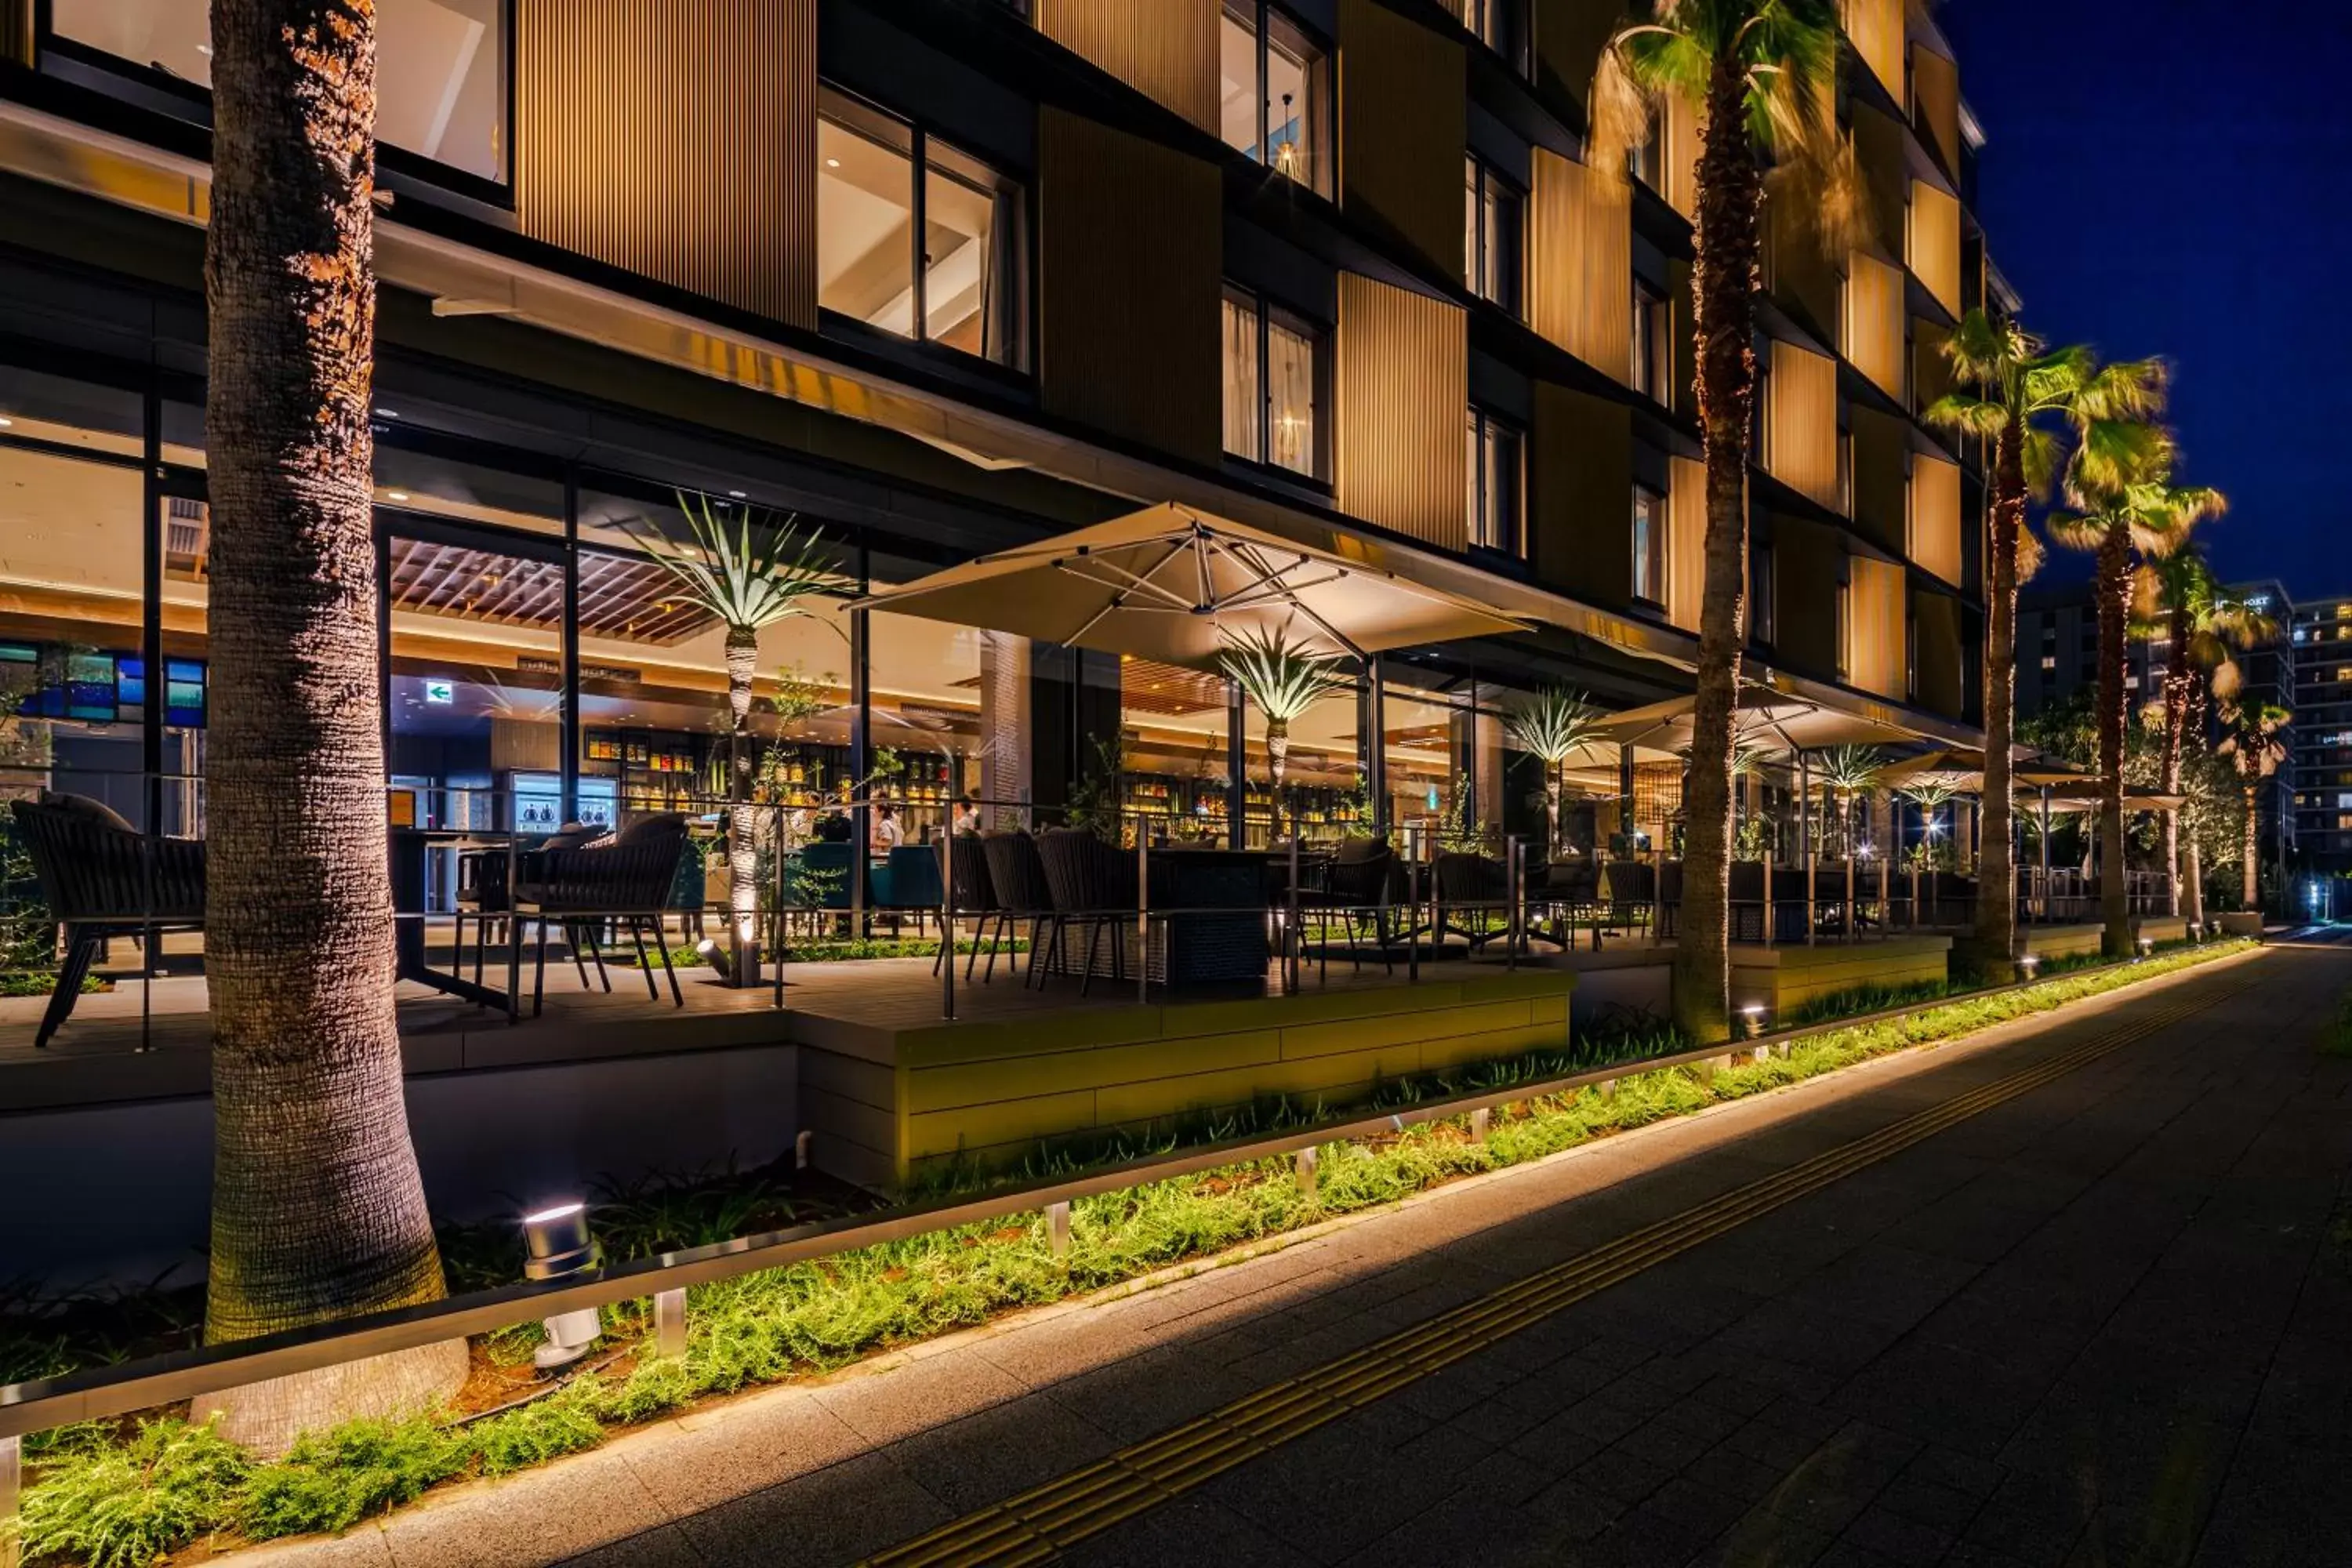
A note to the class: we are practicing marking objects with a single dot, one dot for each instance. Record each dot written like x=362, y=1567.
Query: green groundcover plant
x=118, y=1495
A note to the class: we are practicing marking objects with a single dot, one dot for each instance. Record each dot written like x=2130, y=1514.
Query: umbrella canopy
x=1172, y=584
x=1959, y=769
x=2083, y=796
x=1765, y=717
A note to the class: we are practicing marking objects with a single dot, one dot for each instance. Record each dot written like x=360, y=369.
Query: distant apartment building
x=2320, y=763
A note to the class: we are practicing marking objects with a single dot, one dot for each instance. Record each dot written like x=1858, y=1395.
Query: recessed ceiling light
x=5, y=422
x=387, y=413
x=833, y=163
x=737, y=494
x=395, y=494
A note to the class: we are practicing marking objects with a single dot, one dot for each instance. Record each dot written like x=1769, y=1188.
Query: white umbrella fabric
x=1169, y=583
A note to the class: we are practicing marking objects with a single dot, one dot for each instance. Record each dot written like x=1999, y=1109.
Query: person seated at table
x=967, y=815
x=833, y=827
x=886, y=835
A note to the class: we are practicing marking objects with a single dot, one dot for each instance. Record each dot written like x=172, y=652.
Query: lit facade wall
x=1877, y=27
x=1936, y=518
x=1873, y=322
x=1401, y=118
x=1685, y=542
x=1935, y=242
x=1876, y=655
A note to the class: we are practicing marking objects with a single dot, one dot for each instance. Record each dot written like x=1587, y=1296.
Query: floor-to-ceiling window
x=1276, y=90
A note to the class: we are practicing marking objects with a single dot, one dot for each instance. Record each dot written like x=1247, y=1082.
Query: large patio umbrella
x=1960, y=769
x=1171, y=583
x=1765, y=717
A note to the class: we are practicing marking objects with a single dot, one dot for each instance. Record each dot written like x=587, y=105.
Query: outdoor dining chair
x=1016, y=875
x=102, y=877
x=624, y=880
x=1094, y=889
x=974, y=896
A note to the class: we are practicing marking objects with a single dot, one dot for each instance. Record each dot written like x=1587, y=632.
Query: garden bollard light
x=1761, y=1053
x=559, y=1247
x=1306, y=1172
x=1479, y=1120
x=669, y=1322
x=801, y=1151
x=1608, y=1088
x=1058, y=1229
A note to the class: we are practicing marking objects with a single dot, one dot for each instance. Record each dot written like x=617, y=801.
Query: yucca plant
x=1284, y=678
x=1553, y=725
x=1848, y=772
x=748, y=577
x=1929, y=797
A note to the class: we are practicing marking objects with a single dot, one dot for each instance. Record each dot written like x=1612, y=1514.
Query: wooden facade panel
x=1580, y=495
x=1165, y=49
x=1581, y=262
x=1686, y=541
x=1877, y=657
x=1873, y=322
x=1936, y=102
x=1801, y=434
x=1877, y=27
x=1130, y=253
x=1803, y=275
x=1680, y=152
x=1934, y=244
x=626, y=152
x=1935, y=534
x=1683, y=356
x=1931, y=374
x=1808, y=563
x=1942, y=686
x=1401, y=382
x=1881, y=160
x=17, y=31
x=1402, y=108
x=1881, y=445
x=1569, y=37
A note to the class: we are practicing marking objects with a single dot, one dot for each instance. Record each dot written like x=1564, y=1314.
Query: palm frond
x=2077, y=531
x=1850, y=768
x=1284, y=678
x=2130, y=390
x=1967, y=415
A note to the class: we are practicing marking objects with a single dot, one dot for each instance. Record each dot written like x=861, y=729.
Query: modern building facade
x=2320, y=764
x=935, y=277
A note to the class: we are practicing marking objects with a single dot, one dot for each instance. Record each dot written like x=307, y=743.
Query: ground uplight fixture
x=1754, y=1014
x=557, y=1246
x=712, y=953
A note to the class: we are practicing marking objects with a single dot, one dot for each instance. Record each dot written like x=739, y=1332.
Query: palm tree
x=2178, y=599
x=747, y=579
x=2255, y=748
x=1757, y=74
x=2128, y=505
x=1848, y=772
x=1553, y=725
x=2019, y=388
x=318, y=1209
x=1284, y=679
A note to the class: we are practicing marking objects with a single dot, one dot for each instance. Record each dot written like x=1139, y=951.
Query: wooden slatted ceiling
x=673, y=139
x=622, y=598
x=1935, y=242
x=1165, y=49
x=1936, y=518
x=1172, y=692
x=1873, y=322
x=1402, y=381
x=1801, y=424
x=1581, y=262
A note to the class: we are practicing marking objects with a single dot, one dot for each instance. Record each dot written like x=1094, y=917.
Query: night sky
x=2174, y=178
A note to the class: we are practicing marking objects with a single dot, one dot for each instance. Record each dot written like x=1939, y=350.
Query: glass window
x=1490, y=235
x=1274, y=104
x=1496, y=23
x=1649, y=546
x=1652, y=344
x=1496, y=469
x=441, y=71
x=1844, y=629
x=1274, y=370
x=1763, y=620
x=964, y=284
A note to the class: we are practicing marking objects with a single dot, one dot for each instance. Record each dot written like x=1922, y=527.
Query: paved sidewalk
x=2097, y=1319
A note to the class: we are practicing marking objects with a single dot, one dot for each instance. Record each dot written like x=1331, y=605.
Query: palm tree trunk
x=1723, y=285
x=743, y=839
x=1551, y=811
x=1278, y=757
x=1996, y=930
x=2115, y=610
x=318, y=1208
x=2252, y=895
x=2178, y=678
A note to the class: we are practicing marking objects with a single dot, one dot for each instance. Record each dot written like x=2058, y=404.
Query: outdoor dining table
x=1217, y=901
x=411, y=851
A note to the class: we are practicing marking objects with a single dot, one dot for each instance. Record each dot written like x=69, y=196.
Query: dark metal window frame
x=1505, y=535
x=1649, y=509
x=1255, y=15
x=1481, y=180
x=1264, y=312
